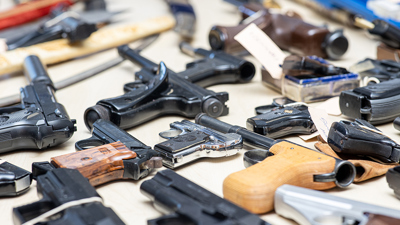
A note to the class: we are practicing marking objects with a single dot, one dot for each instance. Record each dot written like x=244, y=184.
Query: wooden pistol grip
x=254, y=187
x=100, y=164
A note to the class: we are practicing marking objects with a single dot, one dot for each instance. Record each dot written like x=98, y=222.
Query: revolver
x=39, y=121
x=375, y=103
x=280, y=121
x=308, y=207
x=287, y=31
x=361, y=138
x=284, y=162
x=63, y=24
x=191, y=204
x=13, y=179
x=189, y=141
x=164, y=94
x=118, y=155
x=67, y=198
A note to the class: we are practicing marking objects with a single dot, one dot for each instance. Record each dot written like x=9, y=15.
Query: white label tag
x=332, y=106
x=321, y=120
x=262, y=48
x=307, y=137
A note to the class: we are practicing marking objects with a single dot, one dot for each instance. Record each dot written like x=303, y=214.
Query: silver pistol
x=306, y=206
x=188, y=141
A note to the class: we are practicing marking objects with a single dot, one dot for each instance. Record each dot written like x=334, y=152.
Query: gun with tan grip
x=288, y=32
x=285, y=163
x=118, y=156
x=308, y=207
x=61, y=50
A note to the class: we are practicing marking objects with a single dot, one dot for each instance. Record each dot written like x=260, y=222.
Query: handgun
x=39, y=121
x=67, y=198
x=188, y=203
x=284, y=163
x=216, y=67
x=309, y=67
x=113, y=155
x=281, y=121
x=288, y=32
x=308, y=207
x=13, y=179
x=362, y=139
x=188, y=141
x=62, y=24
x=375, y=103
x=165, y=93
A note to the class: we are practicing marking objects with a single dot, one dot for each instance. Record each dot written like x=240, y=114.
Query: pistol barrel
x=34, y=70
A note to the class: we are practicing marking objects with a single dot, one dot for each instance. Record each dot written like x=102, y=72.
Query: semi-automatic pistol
x=189, y=141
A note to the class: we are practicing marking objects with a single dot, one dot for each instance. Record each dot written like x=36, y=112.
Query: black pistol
x=375, y=103
x=114, y=154
x=216, y=67
x=293, y=118
x=63, y=24
x=191, y=204
x=363, y=139
x=165, y=93
x=13, y=179
x=39, y=121
x=67, y=198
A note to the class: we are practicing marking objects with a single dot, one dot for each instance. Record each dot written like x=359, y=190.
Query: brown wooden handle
x=254, y=187
x=100, y=164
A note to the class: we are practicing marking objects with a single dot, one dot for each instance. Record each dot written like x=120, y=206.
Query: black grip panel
x=350, y=138
x=282, y=121
x=377, y=103
x=182, y=141
x=193, y=204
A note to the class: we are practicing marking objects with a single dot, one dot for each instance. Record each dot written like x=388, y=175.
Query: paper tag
x=332, y=106
x=307, y=137
x=361, y=67
x=262, y=48
x=321, y=120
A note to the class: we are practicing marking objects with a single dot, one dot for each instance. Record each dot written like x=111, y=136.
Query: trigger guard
x=88, y=143
x=255, y=156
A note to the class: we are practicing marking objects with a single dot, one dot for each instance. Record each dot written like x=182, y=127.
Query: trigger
x=255, y=156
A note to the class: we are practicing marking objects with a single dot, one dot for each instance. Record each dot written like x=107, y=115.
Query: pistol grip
x=254, y=188
x=100, y=164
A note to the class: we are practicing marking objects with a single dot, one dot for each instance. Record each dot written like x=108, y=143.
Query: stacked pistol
x=261, y=167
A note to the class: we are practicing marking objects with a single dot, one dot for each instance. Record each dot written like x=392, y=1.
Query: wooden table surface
x=124, y=197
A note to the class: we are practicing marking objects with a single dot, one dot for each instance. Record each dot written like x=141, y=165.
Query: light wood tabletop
x=124, y=197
